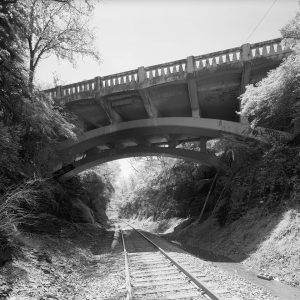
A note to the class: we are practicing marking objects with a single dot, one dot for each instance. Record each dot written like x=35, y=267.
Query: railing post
x=190, y=64
x=97, y=82
x=141, y=74
x=246, y=74
x=245, y=52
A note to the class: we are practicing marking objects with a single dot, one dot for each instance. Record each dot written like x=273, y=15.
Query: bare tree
x=54, y=27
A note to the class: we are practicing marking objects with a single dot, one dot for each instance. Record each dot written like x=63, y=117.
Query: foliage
x=267, y=178
x=30, y=124
x=39, y=204
x=170, y=190
x=291, y=31
x=57, y=27
x=274, y=101
x=12, y=72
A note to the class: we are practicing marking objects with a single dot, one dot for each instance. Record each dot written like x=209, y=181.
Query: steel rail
x=127, y=275
x=181, y=269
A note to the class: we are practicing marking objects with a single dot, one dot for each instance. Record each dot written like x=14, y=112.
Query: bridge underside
x=153, y=110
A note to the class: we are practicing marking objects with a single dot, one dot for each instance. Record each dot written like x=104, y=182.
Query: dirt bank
x=263, y=243
x=79, y=264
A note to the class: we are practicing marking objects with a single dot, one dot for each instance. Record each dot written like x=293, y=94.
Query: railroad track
x=152, y=274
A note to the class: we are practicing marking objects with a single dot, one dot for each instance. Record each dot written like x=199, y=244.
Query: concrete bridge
x=153, y=110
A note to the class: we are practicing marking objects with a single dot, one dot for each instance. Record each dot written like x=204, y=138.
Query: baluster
x=234, y=57
x=127, y=79
x=156, y=74
x=122, y=80
x=200, y=66
x=207, y=63
x=174, y=69
x=221, y=59
x=279, y=48
x=180, y=70
x=227, y=58
x=168, y=71
x=162, y=72
x=214, y=62
x=150, y=75
x=264, y=51
x=272, y=50
x=257, y=52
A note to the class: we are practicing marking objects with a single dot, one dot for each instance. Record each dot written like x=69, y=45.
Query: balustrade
x=268, y=48
x=165, y=70
x=171, y=70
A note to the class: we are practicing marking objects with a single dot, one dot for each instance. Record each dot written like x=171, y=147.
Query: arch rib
x=201, y=127
x=110, y=155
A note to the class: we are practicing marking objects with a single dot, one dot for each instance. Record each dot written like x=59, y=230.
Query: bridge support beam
x=192, y=87
x=149, y=107
x=151, y=110
x=193, y=96
x=246, y=73
x=112, y=115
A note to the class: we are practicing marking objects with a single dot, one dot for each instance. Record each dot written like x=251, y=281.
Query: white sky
x=133, y=33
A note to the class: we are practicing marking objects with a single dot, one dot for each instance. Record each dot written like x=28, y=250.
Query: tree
x=274, y=101
x=292, y=29
x=12, y=72
x=57, y=27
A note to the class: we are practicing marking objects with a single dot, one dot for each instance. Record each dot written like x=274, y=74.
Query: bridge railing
x=124, y=78
x=216, y=58
x=166, y=71
x=267, y=48
x=172, y=68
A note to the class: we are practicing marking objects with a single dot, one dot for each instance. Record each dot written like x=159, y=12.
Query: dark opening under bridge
x=152, y=110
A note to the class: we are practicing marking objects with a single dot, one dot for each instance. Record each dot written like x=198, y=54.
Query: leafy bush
x=274, y=101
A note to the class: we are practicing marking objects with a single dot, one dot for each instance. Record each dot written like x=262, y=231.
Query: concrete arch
x=200, y=127
x=114, y=154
